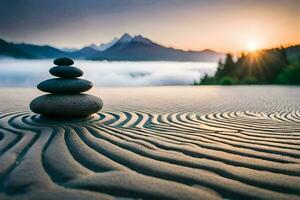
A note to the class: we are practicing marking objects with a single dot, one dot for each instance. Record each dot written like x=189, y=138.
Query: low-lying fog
x=26, y=73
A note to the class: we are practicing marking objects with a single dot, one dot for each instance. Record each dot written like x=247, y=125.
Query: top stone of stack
x=63, y=61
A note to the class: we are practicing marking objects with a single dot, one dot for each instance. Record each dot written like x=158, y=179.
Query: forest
x=273, y=66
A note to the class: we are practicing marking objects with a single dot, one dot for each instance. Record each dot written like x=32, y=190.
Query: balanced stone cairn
x=65, y=100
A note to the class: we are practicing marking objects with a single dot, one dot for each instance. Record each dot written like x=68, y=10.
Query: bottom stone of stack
x=66, y=105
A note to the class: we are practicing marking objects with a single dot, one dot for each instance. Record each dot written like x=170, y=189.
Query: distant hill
x=126, y=48
x=40, y=52
x=10, y=50
x=30, y=51
x=293, y=52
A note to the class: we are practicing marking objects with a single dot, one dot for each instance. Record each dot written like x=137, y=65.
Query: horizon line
x=157, y=42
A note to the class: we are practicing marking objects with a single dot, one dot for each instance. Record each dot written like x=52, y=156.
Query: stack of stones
x=66, y=99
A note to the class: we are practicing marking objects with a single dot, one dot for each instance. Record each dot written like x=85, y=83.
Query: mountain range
x=125, y=48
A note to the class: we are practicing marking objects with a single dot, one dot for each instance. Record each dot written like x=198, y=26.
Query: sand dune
x=156, y=143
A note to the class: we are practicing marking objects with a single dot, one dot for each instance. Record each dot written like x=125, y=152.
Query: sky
x=221, y=25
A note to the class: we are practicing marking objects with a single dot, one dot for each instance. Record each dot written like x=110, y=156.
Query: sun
x=252, y=46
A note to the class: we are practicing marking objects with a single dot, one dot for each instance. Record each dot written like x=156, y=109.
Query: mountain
x=68, y=49
x=30, y=51
x=141, y=39
x=126, y=48
x=83, y=53
x=139, y=48
x=10, y=50
x=126, y=38
x=40, y=52
x=104, y=46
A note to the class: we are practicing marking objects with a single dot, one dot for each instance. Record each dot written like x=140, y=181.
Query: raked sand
x=156, y=143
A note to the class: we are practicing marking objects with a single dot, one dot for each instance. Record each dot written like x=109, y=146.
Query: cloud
x=28, y=73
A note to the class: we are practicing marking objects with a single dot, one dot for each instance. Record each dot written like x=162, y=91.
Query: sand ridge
x=207, y=144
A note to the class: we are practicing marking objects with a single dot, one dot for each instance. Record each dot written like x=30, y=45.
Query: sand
x=156, y=143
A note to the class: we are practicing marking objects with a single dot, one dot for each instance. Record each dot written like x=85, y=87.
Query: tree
x=290, y=75
x=283, y=55
x=226, y=68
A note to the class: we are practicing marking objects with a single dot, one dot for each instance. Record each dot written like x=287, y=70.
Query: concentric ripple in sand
x=156, y=143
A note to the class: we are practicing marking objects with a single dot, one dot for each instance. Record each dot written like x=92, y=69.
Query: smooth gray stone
x=65, y=86
x=63, y=61
x=66, y=71
x=66, y=106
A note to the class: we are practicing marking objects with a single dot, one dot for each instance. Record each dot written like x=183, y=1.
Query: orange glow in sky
x=223, y=25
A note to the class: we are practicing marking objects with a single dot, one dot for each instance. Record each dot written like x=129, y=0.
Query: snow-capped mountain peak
x=126, y=38
x=104, y=46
